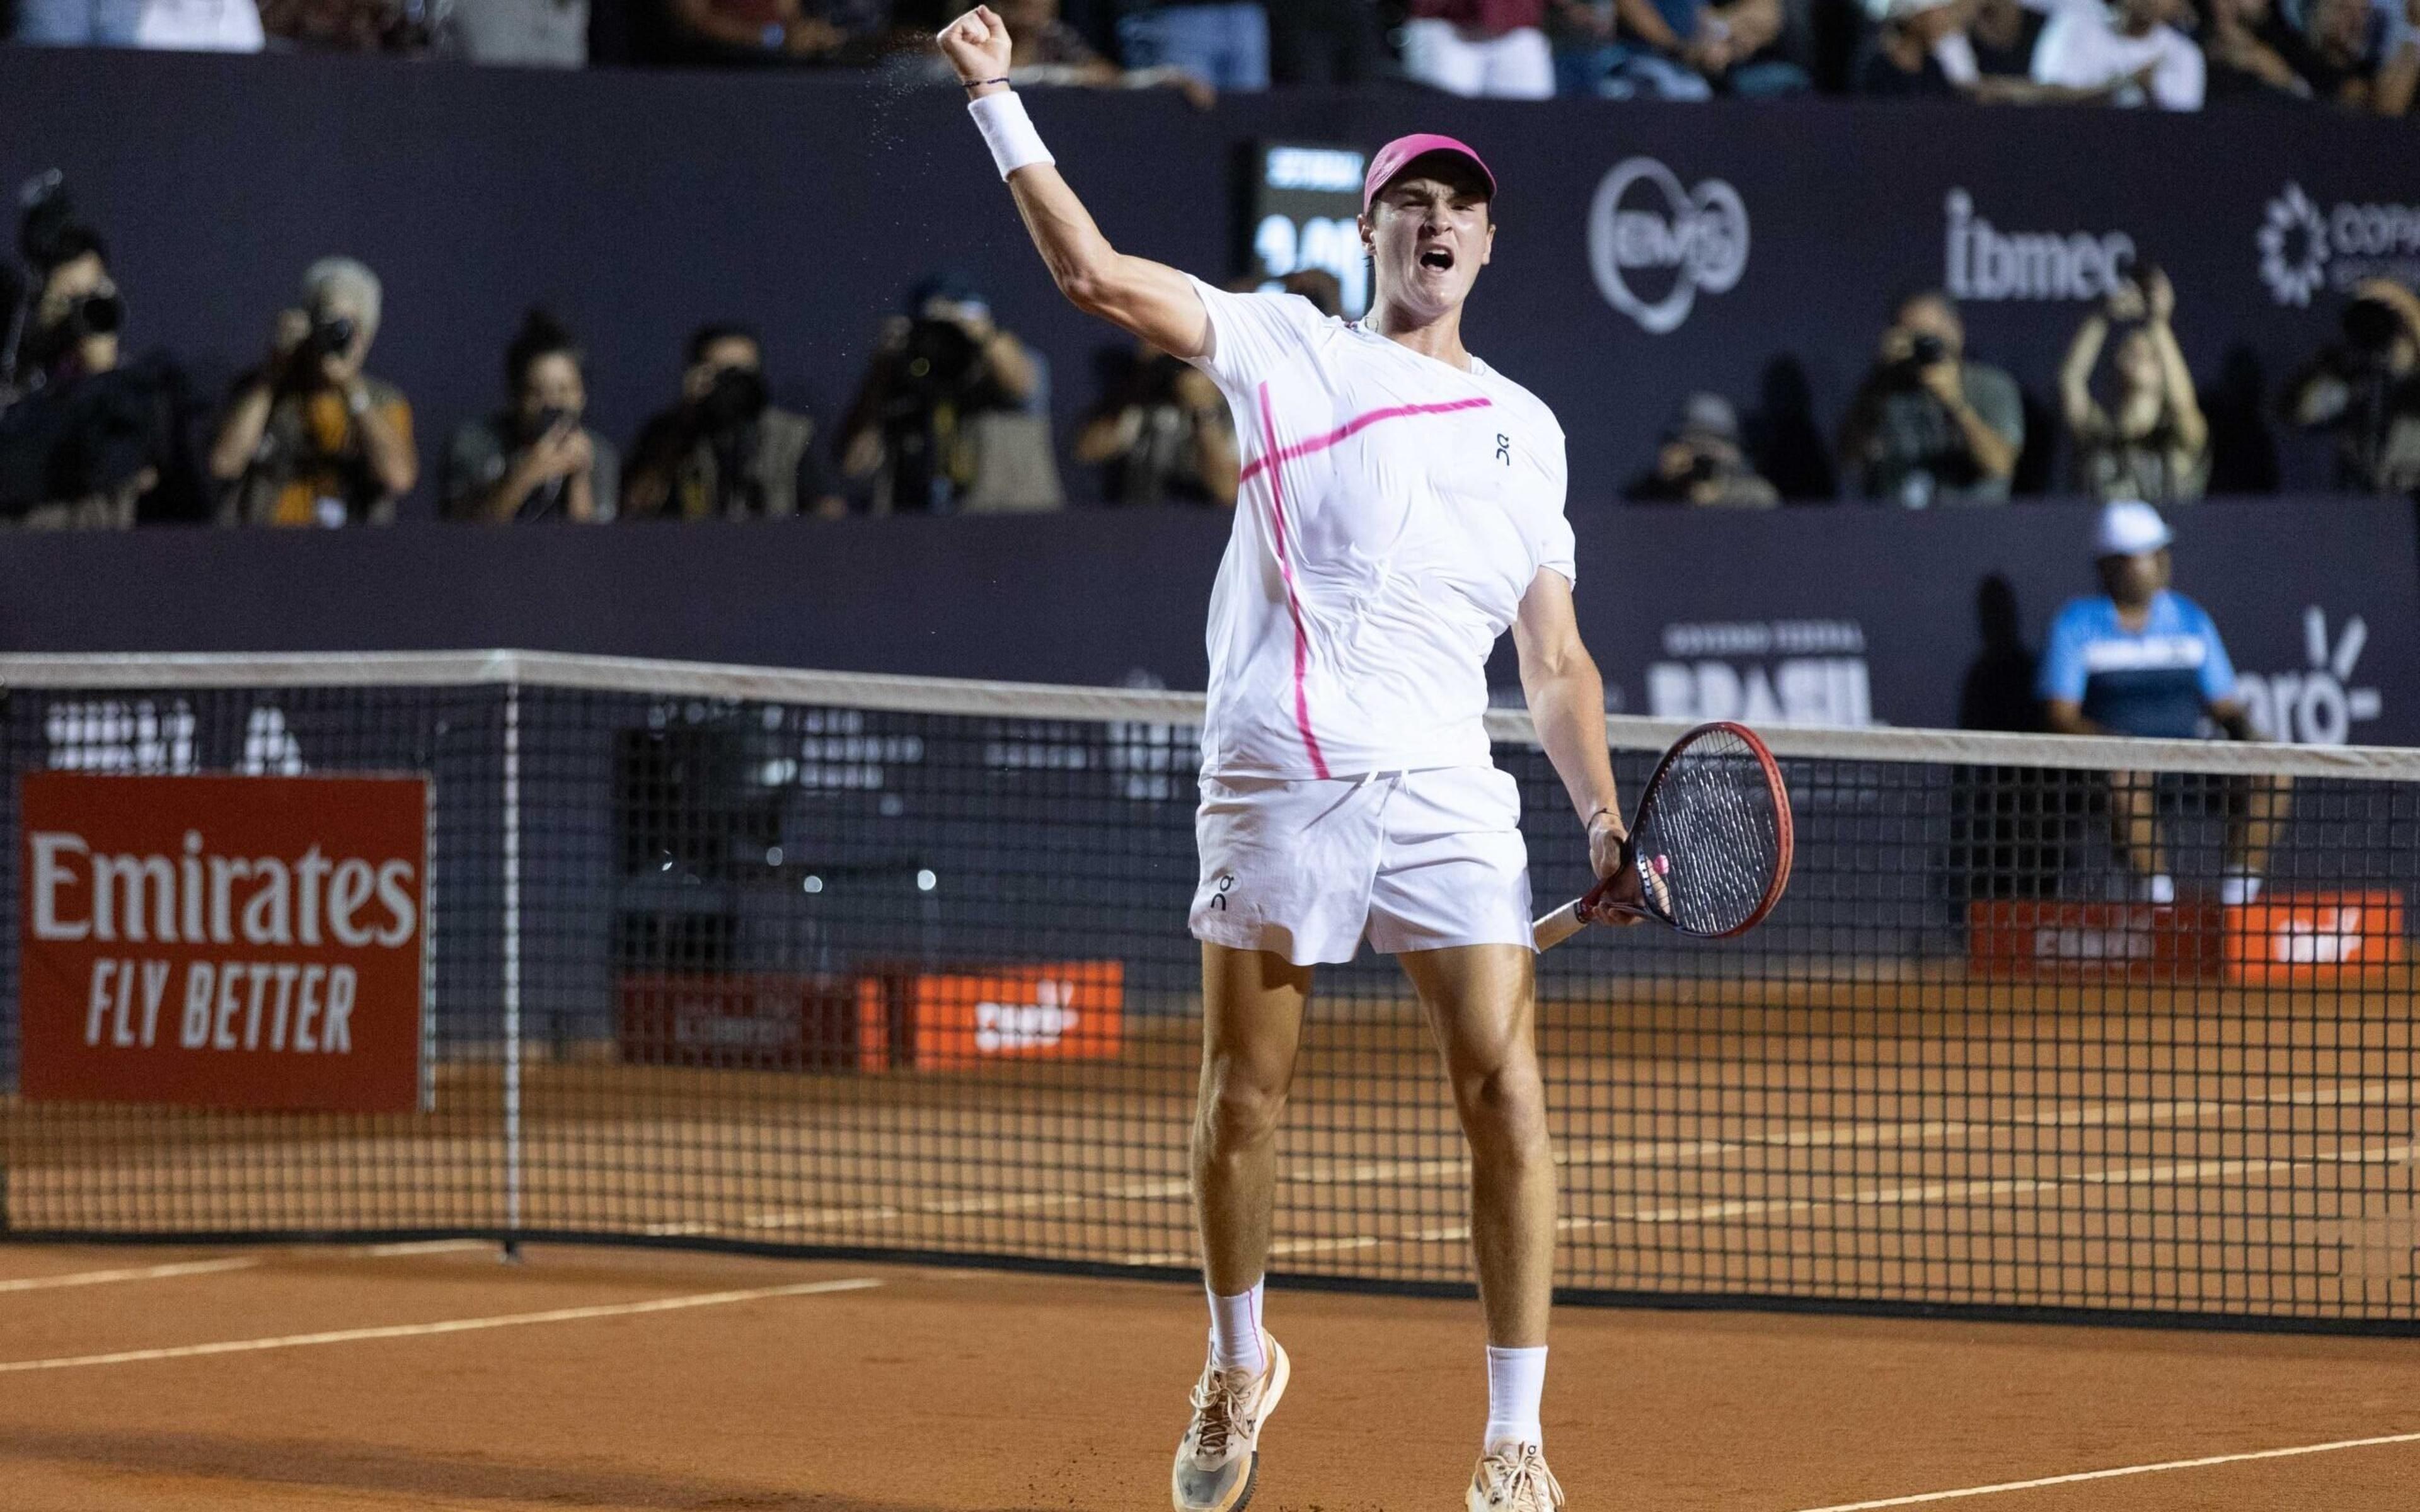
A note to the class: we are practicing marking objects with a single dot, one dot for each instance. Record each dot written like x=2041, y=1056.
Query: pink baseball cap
x=1397, y=155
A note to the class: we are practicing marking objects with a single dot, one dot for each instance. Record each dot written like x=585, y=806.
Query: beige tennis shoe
x=1220, y=1456
x=1514, y=1477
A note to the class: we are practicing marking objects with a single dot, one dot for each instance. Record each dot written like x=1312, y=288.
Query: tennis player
x=1402, y=507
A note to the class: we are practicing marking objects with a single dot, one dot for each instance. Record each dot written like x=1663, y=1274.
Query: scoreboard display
x=1301, y=201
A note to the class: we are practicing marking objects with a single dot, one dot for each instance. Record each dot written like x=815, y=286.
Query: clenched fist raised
x=976, y=45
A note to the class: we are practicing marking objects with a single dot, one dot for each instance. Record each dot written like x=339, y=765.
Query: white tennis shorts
x=1414, y=860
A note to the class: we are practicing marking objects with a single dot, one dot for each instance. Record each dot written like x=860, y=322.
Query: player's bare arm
x=1566, y=696
x=1143, y=297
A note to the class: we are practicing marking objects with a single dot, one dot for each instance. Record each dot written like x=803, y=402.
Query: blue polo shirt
x=2154, y=681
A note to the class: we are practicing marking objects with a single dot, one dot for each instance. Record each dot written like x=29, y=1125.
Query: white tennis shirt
x=1394, y=510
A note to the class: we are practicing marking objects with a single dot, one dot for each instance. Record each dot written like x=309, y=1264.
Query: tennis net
x=836, y=963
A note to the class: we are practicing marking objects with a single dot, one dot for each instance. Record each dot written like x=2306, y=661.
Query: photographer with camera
x=94, y=442
x=954, y=411
x=2152, y=442
x=725, y=451
x=1927, y=427
x=308, y=438
x=2364, y=390
x=535, y=460
x=1163, y=434
x=1699, y=461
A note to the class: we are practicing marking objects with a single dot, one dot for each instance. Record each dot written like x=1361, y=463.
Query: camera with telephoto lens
x=1924, y=350
x=332, y=336
x=736, y=397
x=47, y=233
x=95, y=315
x=2372, y=328
x=939, y=359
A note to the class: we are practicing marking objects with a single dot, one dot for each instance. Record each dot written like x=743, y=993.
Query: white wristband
x=1008, y=131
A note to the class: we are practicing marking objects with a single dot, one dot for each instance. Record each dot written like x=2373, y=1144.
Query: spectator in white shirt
x=2132, y=45
x=1493, y=48
x=182, y=25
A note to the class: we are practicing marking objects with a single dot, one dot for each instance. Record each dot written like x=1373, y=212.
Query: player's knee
x=1237, y=1108
x=1504, y=1111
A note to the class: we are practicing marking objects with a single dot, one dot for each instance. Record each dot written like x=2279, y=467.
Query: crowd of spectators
x=953, y=414
x=2360, y=54
x=1932, y=426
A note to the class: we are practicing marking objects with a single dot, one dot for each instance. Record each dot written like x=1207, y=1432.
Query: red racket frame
x=1594, y=905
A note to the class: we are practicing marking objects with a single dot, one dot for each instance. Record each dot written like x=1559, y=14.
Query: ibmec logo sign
x=229, y=942
x=1981, y=262
x=1654, y=244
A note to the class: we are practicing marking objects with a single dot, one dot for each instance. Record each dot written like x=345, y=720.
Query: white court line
x=1163, y=1190
x=1323, y=1246
x=1834, y=1135
x=137, y=1273
x=1006, y=1202
x=424, y=1246
x=2163, y=1174
x=1657, y=1152
x=232, y=1262
x=451, y=1325
x=819, y=1217
x=1457, y=1233
x=2123, y=1470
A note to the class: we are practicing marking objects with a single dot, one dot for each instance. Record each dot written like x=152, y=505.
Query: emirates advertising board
x=253, y=943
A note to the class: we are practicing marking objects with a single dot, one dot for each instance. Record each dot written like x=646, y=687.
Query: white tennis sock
x=1516, y=1380
x=1236, y=1327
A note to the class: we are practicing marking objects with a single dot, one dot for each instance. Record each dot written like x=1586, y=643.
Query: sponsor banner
x=751, y=1020
x=2306, y=938
x=228, y=942
x=881, y=1019
x=1752, y=250
x=1776, y=671
x=1877, y=616
x=1654, y=244
x=2287, y=938
x=1981, y=262
x=2030, y=940
x=2308, y=247
x=1073, y=1010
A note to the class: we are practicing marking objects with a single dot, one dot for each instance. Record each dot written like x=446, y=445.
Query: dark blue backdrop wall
x=1646, y=251
x=1841, y=616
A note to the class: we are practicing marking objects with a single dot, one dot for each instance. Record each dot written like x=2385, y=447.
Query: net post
x=512, y=968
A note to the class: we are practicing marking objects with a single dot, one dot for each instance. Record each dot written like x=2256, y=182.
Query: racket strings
x=1712, y=835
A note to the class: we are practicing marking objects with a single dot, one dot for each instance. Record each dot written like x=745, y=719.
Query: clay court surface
x=435, y=1377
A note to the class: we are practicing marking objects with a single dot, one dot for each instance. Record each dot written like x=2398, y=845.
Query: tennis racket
x=1710, y=850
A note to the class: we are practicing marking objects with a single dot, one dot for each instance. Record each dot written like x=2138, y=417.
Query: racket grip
x=1557, y=927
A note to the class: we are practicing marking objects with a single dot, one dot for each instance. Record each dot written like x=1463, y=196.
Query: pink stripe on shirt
x=1285, y=568
x=1320, y=444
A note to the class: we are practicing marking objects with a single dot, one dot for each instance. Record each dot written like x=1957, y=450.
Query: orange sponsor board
x=2315, y=936
x=2030, y=939
x=231, y=942
x=1073, y=1010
